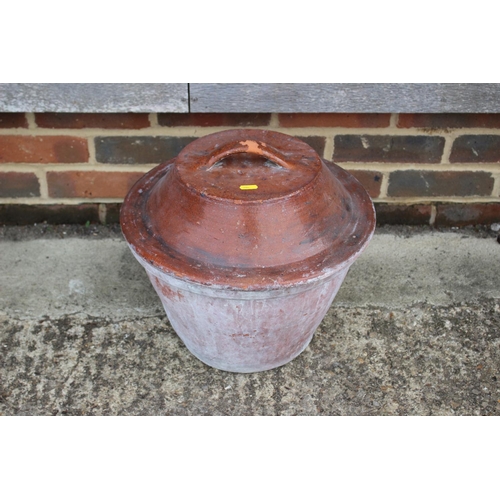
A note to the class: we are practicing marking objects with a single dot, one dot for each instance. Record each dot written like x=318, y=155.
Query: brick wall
x=439, y=169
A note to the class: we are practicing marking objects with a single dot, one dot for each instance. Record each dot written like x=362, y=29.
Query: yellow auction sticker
x=246, y=187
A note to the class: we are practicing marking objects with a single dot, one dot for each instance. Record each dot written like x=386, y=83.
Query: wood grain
x=346, y=97
x=94, y=97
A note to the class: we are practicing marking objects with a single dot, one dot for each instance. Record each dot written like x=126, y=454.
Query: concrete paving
x=414, y=330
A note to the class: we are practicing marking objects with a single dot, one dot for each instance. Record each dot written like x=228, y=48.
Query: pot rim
x=232, y=293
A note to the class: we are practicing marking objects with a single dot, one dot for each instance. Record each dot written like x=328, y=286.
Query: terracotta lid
x=248, y=209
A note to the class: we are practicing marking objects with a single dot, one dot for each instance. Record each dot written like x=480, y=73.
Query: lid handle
x=288, y=152
x=249, y=146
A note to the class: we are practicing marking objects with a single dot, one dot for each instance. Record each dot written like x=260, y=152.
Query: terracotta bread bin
x=247, y=236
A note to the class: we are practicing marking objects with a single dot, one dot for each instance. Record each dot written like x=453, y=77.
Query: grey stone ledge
x=251, y=97
x=346, y=97
x=94, y=97
x=101, y=278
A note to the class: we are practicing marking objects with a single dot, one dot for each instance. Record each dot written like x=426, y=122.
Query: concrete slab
x=415, y=330
x=100, y=277
x=59, y=277
x=425, y=360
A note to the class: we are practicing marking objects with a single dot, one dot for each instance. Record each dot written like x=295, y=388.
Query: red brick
x=19, y=185
x=139, y=150
x=350, y=120
x=22, y=215
x=43, y=149
x=371, y=181
x=411, y=215
x=465, y=214
x=316, y=142
x=92, y=184
x=415, y=183
x=214, y=119
x=113, y=213
x=449, y=120
x=453, y=214
x=13, y=120
x=93, y=120
x=476, y=149
x=388, y=149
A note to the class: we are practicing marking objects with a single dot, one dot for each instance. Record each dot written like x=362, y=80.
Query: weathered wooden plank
x=346, y=97
x=94, y=97
x=251, y=98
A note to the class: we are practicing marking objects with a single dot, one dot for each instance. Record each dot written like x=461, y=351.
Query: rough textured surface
x=94, y=97
x=91, y=184
x=22, y=214
x=345, y=97
x=449, y=120
x=412, y=215
x=334, y=120
x=317, y=143
x=452, y=215
x=131, y=150
x=19, y=184
x=416, y=183
x=13, y=120
x=370, y=179
x=214, y=119
x=43, y=149
x=82, y=332
x=386, y=148
x=251, y=97
x=92, y=120
x=422, y=361
x=58, y=270
x=476, y=149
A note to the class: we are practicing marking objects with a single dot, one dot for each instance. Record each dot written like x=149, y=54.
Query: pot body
x=244, y=331
x=247, y=236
